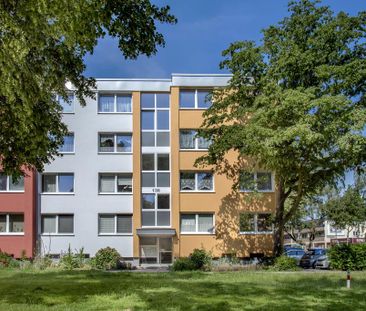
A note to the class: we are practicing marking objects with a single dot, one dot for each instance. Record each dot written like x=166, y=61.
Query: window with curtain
x=196, y=181
x=68, y=145
x=48, y=224
x=187, y=181
x=197, y=223
x=115, y=142
x=187, y=139
x=66, y=224
x=58, y=183
x=124, y=142
x=57, y=224
x=67, y=104
x=203, y=143
x=106, y=224
x=12, y=223
x=255, y=223
x=256, y=181
x=106, y=142
x=106, y=103
x=204, y=181
x=8, y=184
x=124, y=103
x=115, y=183
x=124, y=223
x=3, y=222
x=115, y=224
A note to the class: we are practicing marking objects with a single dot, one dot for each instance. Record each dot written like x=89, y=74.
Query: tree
x=295, y=105
x=346, y=212
x=42, y=45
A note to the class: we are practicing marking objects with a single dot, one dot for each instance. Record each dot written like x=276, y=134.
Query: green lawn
x=91, y=290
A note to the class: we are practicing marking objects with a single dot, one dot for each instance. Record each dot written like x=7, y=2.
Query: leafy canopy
x=42, y=45
x=295, y=104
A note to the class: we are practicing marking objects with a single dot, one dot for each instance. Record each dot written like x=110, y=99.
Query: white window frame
x=72, y=102
x=115, y=233
x=195, y=98
x=7, y=224
x=115, y=134
x=56, y=227
x=8, y=186
x=255, y=232
x=155, y=130
x=196, y=148
x=57, y=189
x=196, y=232
x=156, y=171
x=196, y=181
x=114, y=103
x=69, y=152
x=156, y=210
x=115, y=184
x=255, y=183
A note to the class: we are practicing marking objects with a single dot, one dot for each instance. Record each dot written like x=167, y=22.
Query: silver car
x=322, y=262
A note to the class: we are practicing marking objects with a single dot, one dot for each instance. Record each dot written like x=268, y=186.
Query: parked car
x=295, y=253
x=311, y=256
x=323, y=262
x=287, y=247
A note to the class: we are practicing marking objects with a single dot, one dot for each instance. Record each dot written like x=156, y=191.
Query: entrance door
x=156, y=250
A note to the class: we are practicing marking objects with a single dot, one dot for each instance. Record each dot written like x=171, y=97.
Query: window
x=114, y=103
x=155, y=170
x=68, y=145
x=115, y=183
x=155, y=209
x=257, y=181
x=255, y=223
x=197, y=223
x=115, y=142
x=7, y=184
x=57, y=224
x=155, y=120
x=190, y=181
x=58, y=183
x=194, y=99
x=189, y=140
x=109, y=224
x=67, y=104
x=11, y=223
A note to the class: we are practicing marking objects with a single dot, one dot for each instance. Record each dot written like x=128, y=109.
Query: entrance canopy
x=155, y=232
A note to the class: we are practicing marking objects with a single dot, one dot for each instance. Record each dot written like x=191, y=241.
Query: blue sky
x=195, y=43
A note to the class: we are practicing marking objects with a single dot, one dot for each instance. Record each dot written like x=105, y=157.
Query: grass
x=93, y=290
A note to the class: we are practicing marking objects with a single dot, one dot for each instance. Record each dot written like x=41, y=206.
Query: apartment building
x=126, y=178
x=18, y=214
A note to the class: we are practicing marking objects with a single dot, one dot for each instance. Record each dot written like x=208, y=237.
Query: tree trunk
x=279, y=222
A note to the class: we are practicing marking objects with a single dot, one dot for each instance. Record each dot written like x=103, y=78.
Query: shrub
x=5, y=259
x=42, y=262
x=201, y=259
x=106, y=259
x=284, y=263
x=183, y=264
x=348, y=256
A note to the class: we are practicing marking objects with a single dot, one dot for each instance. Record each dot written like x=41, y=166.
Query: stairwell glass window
x=67, y=103
x=11, y=223
x=115, y=183
x=68, y=146
x=114, y=224
x=194, y=99
x=155, y=120
x=115, y=103
x=256, y=181
x=155, y=210
x=58, y=183
x=197, y=223
x=8, y=184
x=200, y=181
x=189, y=140
x=115, y=143
x=155, y=170
x=255, y=223
x=57, y=224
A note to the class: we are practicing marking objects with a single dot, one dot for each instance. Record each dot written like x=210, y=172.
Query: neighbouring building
x=18, y=214
x=127, y=178
x=326, y=235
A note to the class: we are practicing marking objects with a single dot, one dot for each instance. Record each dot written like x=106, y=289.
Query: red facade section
x=21, y=203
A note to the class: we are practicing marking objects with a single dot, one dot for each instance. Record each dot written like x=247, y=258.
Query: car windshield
x=313, y=252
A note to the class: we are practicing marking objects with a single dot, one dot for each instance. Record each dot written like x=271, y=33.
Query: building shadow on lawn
x=182, y=291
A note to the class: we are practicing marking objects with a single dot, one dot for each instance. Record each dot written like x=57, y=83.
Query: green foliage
x=183, y=264
x=106, y=259
x=5, y=259
x=284, y=263
x=42, y=262
x=70, y=260
x=347, y=211
x=295, y=105
x=42, y=47
x=348, y=256
x=201, y=259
